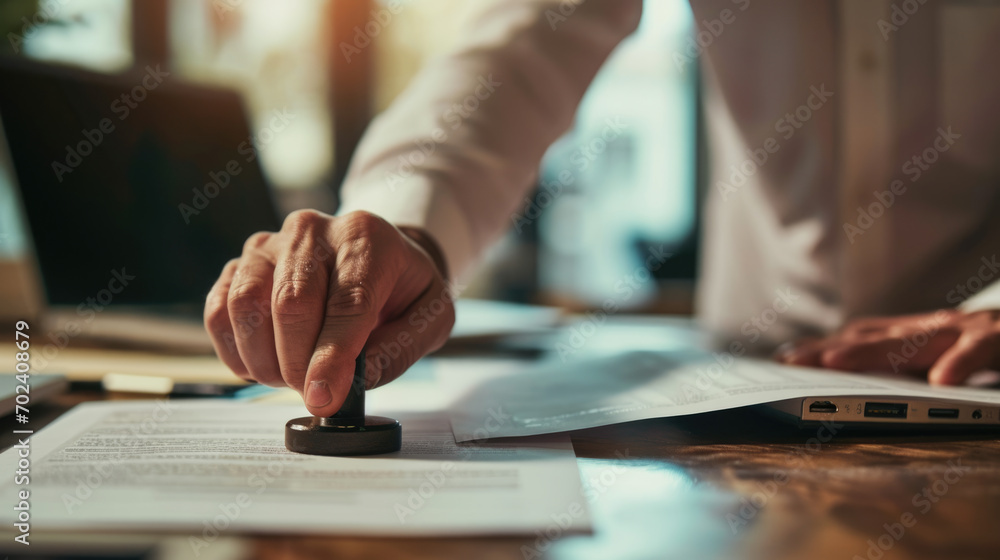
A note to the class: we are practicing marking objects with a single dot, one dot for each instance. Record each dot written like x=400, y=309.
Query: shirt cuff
x=986, y=299
x=422, y=203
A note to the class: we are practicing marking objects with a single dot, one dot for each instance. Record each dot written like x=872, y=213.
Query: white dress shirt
x=813, y=110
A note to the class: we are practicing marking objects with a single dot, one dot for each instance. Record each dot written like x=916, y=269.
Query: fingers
x=949, y=344
x=972, y=352
x=357, y=294
x=867, y=326
x=879, y=344
x=249, y=307
x=886, y=354
x=299, y=306
x=421, y=329
x=298, y=300
x=219, y=325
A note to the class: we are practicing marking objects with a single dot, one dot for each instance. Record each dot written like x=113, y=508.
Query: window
x=91, y=33
x=631, y=152
x=631, y=162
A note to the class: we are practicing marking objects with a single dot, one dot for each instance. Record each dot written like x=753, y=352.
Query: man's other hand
x=948, y=345
x=298, y=306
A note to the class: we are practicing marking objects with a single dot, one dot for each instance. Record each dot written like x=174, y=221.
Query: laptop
x=136, y=189
x=893, y=412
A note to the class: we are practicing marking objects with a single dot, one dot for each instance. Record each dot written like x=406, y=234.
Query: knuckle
x=294, y=300
x=836, y=355
x=361, y=224
x=981, y=338
x=899, y=331
x=294, y=370
x=256, y=241
x=216, y=318
x=354, y=300
x=304, y=220
x=326, y=354
x=246, y=300
x=867, y=325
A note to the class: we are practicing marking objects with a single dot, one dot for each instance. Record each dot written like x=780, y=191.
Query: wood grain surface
x=732, y=484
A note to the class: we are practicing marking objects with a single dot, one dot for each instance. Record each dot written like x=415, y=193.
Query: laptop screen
x=135, y=183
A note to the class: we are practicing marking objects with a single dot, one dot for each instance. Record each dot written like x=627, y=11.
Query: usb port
x=942, y=413
x=885, y=410
x=823, y=407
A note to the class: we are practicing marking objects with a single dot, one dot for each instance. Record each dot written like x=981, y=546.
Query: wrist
x=426, y=241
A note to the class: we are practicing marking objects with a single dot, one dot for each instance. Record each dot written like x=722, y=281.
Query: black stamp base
x=373, y=435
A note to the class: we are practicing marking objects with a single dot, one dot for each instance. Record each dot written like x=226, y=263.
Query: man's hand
x=949, y=345
x=299, y=305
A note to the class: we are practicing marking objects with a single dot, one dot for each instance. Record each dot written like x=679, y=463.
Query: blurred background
x=638, y=191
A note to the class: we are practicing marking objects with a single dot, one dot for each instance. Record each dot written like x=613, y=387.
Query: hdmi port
x=823, y=407
x=942, y=413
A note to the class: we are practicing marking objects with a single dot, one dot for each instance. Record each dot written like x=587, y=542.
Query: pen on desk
x=154, y=385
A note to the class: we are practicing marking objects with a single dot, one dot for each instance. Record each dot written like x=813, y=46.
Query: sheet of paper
x=560, y=397
x=212, y=467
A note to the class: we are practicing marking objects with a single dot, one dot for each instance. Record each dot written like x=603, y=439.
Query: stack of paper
x=211, y=467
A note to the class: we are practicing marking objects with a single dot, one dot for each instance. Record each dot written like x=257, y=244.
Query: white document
x=560, y=397
x=213, y=467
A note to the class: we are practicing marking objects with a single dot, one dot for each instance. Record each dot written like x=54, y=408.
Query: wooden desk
x=732, y=484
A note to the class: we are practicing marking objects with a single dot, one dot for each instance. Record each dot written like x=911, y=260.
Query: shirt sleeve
x=459, y=150
x=987, y=298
